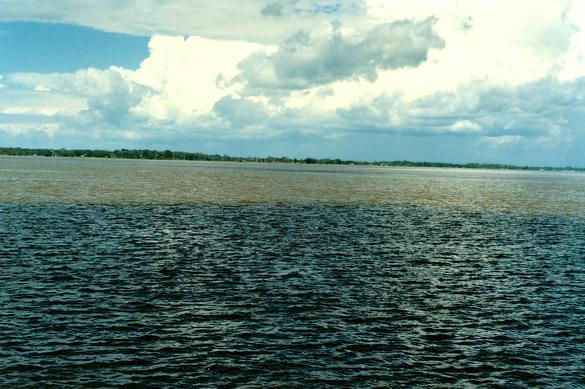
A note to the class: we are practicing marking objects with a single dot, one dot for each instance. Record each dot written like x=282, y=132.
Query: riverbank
x=189, y=156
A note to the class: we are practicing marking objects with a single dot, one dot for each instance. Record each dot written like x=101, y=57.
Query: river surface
x=182, y=274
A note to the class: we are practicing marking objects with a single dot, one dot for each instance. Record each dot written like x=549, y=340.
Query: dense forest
x=187, y=156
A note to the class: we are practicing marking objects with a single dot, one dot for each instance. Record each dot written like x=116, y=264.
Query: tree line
x=195, y=156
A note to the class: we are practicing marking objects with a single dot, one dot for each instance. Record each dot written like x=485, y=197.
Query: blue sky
x=448, y=80
x=51, y=47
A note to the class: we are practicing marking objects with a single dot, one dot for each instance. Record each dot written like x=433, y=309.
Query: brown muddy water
x=100, y=181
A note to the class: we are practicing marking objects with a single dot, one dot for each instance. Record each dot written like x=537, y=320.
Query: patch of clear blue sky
x=47, y=47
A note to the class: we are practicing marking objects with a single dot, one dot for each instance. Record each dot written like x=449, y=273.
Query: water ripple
x=291, y=295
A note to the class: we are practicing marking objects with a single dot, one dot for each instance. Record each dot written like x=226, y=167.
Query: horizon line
x=154, y=154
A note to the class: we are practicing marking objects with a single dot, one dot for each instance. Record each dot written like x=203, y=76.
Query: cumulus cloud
x=240, y=111
x=16, y=101
x=543, y=110
x=573, y=61
x=331, y=54
x=96, y=99
x=85, y=82
x=176, y=86
x=187, y=74
x=504, y=75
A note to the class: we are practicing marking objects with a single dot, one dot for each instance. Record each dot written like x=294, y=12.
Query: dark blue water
x=315, y=295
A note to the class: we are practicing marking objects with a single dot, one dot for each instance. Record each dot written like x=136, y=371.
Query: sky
x=495, y=81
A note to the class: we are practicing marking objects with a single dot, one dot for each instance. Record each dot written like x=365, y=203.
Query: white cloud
x=28, y=102
x=573, y=62
x=42, y=88
x=500, y=42
x=219, y=19
x=502, y=72
x=29, y=129
x=495, y=141
x=462, y=126
x=186, y=75
x=330, y=54
x=84, y=83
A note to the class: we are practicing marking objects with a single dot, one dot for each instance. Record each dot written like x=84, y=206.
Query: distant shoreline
x=188, y=156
